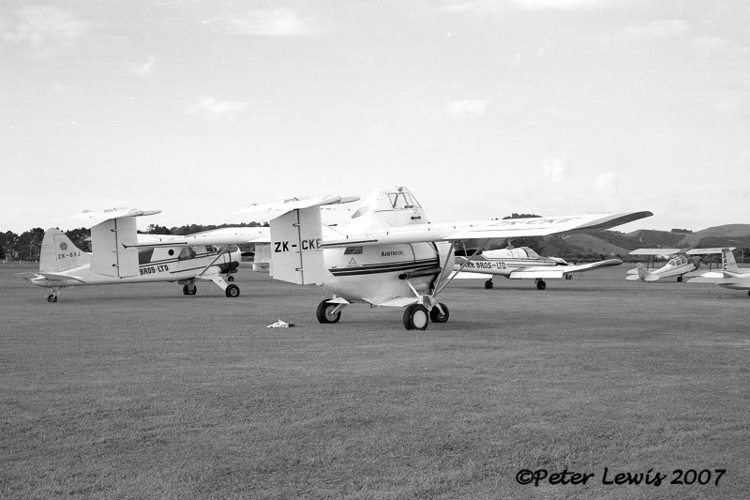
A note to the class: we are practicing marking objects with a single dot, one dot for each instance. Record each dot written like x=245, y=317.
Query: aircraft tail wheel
x=230, y=279
x=416, y=317
x=52, y=298
x=679, y=279
x=541, y=285
x=232, y=291
x=325, y=312
x=437, y=317
x=190, y=289
x=488, y=284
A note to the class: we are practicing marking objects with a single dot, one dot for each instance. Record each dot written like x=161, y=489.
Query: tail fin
x=296, y=246
x=727, y=260
x=59, y=254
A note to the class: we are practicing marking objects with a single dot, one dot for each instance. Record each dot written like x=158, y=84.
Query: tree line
x=27, y=245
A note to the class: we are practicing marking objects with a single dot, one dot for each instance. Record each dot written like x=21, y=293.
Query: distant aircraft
x=120, y=255
x=730, y=276
x=388, y=254
x=678, y=264
x=523, y=263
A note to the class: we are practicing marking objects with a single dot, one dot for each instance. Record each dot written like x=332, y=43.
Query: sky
x=480, y=107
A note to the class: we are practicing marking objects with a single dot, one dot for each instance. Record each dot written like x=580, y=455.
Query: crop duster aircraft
x=730, y=276
x=679, y=263
x=387, y=254
x=121, y=255
x=523, y=263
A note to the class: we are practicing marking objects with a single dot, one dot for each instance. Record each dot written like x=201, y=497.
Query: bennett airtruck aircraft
x=121, y=255
x=522, y=263
x=388, y=254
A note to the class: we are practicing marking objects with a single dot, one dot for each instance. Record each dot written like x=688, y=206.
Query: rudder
x=59, y=253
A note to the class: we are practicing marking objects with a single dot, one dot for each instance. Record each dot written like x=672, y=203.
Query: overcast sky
x=482, y=107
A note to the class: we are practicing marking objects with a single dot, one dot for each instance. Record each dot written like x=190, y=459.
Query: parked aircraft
x=679, y=263
x=388, y=254
x=120, y=255
x=730, y=276
x=523, y=263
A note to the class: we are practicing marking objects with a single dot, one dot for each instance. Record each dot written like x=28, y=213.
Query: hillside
x=726, y=235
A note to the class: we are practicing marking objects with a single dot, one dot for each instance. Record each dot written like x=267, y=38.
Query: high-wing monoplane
x=121, y=255
x=679, y=263
x=523, y=263
x=388, y=254
x=730, y=276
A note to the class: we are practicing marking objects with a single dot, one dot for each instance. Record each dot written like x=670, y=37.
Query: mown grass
x=140, y=391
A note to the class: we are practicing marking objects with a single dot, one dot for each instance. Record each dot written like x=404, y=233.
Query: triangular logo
x=352, y=262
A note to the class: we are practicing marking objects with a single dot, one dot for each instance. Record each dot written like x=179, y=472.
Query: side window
x=144, y=255
x=186, y=253
x=353, y=251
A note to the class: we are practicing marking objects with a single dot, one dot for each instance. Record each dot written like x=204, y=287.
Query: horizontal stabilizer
x=222, y=236
x=463, y=275
x=272, y=210
x=708, y=251
x=536, y=274
x=93, y=217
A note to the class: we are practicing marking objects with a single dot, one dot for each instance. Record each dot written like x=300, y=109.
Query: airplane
x=121, y=255
x=678, y=264
x=523, y=263
x=388, y=254
x=730, y=276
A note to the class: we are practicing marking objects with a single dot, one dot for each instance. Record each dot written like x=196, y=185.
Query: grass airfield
x=140, y=391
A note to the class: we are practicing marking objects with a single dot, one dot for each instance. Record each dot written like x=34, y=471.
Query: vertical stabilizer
x=727, y=260
x=109, y=240
x=296, y=250
x=59, y=254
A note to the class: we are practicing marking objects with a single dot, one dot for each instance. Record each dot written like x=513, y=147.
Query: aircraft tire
x=232, y=291
x=679, y=279
x=52, y=298
x=488, y=285
x=230, y=278
x=436, y=317
x=416, y=317
x=324, y=313
x=541, y=285
x=190, y=289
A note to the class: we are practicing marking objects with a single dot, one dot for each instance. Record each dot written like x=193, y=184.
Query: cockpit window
x=186, y=253
x=360, y=212
x=402, y=200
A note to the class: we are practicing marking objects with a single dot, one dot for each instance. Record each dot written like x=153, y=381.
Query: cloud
x=46, y=29
x=558, y=4
x=652, y=30
x=462, y=110
x=485, y=7
x=281, y=21
x=147, y=68
x=210, y=107
x=554, y=169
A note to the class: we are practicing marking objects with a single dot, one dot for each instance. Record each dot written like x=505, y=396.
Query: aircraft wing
x=93, y=217
x=547, y=272
x=222, y=236
x=487, y=230
x=664, y=252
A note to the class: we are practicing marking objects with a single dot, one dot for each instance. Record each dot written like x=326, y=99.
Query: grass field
x=141, y=391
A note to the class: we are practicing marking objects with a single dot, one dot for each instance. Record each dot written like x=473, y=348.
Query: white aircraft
x=523, y=263
x=730, y=276
x=388, y=254
x=678, y=263
x=120, y=255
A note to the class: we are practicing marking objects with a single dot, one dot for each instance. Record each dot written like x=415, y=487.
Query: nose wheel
x=541, y=285
x=52, y=297
x=190, y=289
x=488, y=284
x=416, y=317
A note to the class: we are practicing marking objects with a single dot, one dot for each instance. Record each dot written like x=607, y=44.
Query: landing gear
x=52, y=297
x=488, y=284
x=190, y=289
x=416, y=317
x=232, y=291
x=437, y=316
x=541, y=285
x=328, y=312
x=679, y=279
x=230, y=278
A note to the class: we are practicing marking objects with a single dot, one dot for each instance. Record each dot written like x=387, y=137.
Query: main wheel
x=416, y=317
x=232, y=291
x=679, y=279
x=541, y=285
x=190, y=289
x=437, y=317
x=52, y=298
x=488, y=284
x=325, y=312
